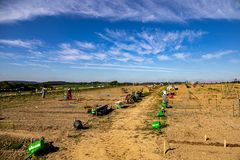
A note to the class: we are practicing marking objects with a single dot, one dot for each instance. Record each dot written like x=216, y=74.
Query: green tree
x=114, y=83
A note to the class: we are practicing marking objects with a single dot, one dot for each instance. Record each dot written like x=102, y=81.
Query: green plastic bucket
x=118, y=106
x=36, y=146
x=94, y=111
x=164, y=104
x=161, y=113
x=156, y=125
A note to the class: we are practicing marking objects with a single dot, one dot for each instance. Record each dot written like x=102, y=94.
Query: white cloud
x=147, y=41
x=21, y=43
x=182, y=56
x=163, y=58
x=151, y=10
x=68, y=53
x=31, y=64
x=85, y=45
x=129, y=68
x=7, y=55
x=124, y=56
x=75, y=57
x=146, y=45
x=35, y=55
x=114, y=51
x=133, y=58
x=78, y=51
x=100, y=56
x=216, y=55
x=128, y=46
x=177, y=47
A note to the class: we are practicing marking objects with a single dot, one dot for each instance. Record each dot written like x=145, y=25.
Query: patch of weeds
x=158, y=131
x=4, y=106
x=15, y=146
x=92, y=120
x=146, y=127
x=164, y=88
x=87, y=107
x=214, y=89
x=12, y=144
x=132, y=106
x=6, y=125
x=146, y=94
x=163, y=120
x=73, y=136
x=164, y=126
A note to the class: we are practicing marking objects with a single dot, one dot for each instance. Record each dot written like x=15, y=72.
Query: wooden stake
x=225, y=143
x=205, y=137
x=216, y=101
x=238, y=106
x=164, y=148
x=233, y=108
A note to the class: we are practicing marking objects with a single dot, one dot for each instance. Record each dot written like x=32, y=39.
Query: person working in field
x=43, y=92
x=69, y=94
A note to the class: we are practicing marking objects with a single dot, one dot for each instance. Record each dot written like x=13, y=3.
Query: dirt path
x=126, y=137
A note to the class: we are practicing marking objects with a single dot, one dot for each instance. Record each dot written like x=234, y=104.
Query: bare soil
x=126, y=133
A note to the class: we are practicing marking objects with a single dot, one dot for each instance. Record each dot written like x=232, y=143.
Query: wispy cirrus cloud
x=31, y=64
x=131, y=46
x=218, y=54
x=151, y=10
x=20, y=43
x=148, y=41
x=69, y=53
x=181, y=56
x=85, y=45
x=164, y=58
x=146, y=45
x=125, y=57
x=129, y=68
x=100, y=56
x=8, y=55
x=35, y=54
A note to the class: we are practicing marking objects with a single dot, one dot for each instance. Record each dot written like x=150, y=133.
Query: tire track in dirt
x=124, y=139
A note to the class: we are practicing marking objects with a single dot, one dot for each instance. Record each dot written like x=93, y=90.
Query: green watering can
x=161, y=113
x=156, y=125
x=39, y=145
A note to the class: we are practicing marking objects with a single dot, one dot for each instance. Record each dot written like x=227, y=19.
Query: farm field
x=119, y=80
x=126, y=133
x=54, y=90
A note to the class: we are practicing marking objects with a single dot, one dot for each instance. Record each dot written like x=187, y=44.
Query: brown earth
x=126, y=133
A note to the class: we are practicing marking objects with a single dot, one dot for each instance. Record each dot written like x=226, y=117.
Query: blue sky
x=136, y=41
